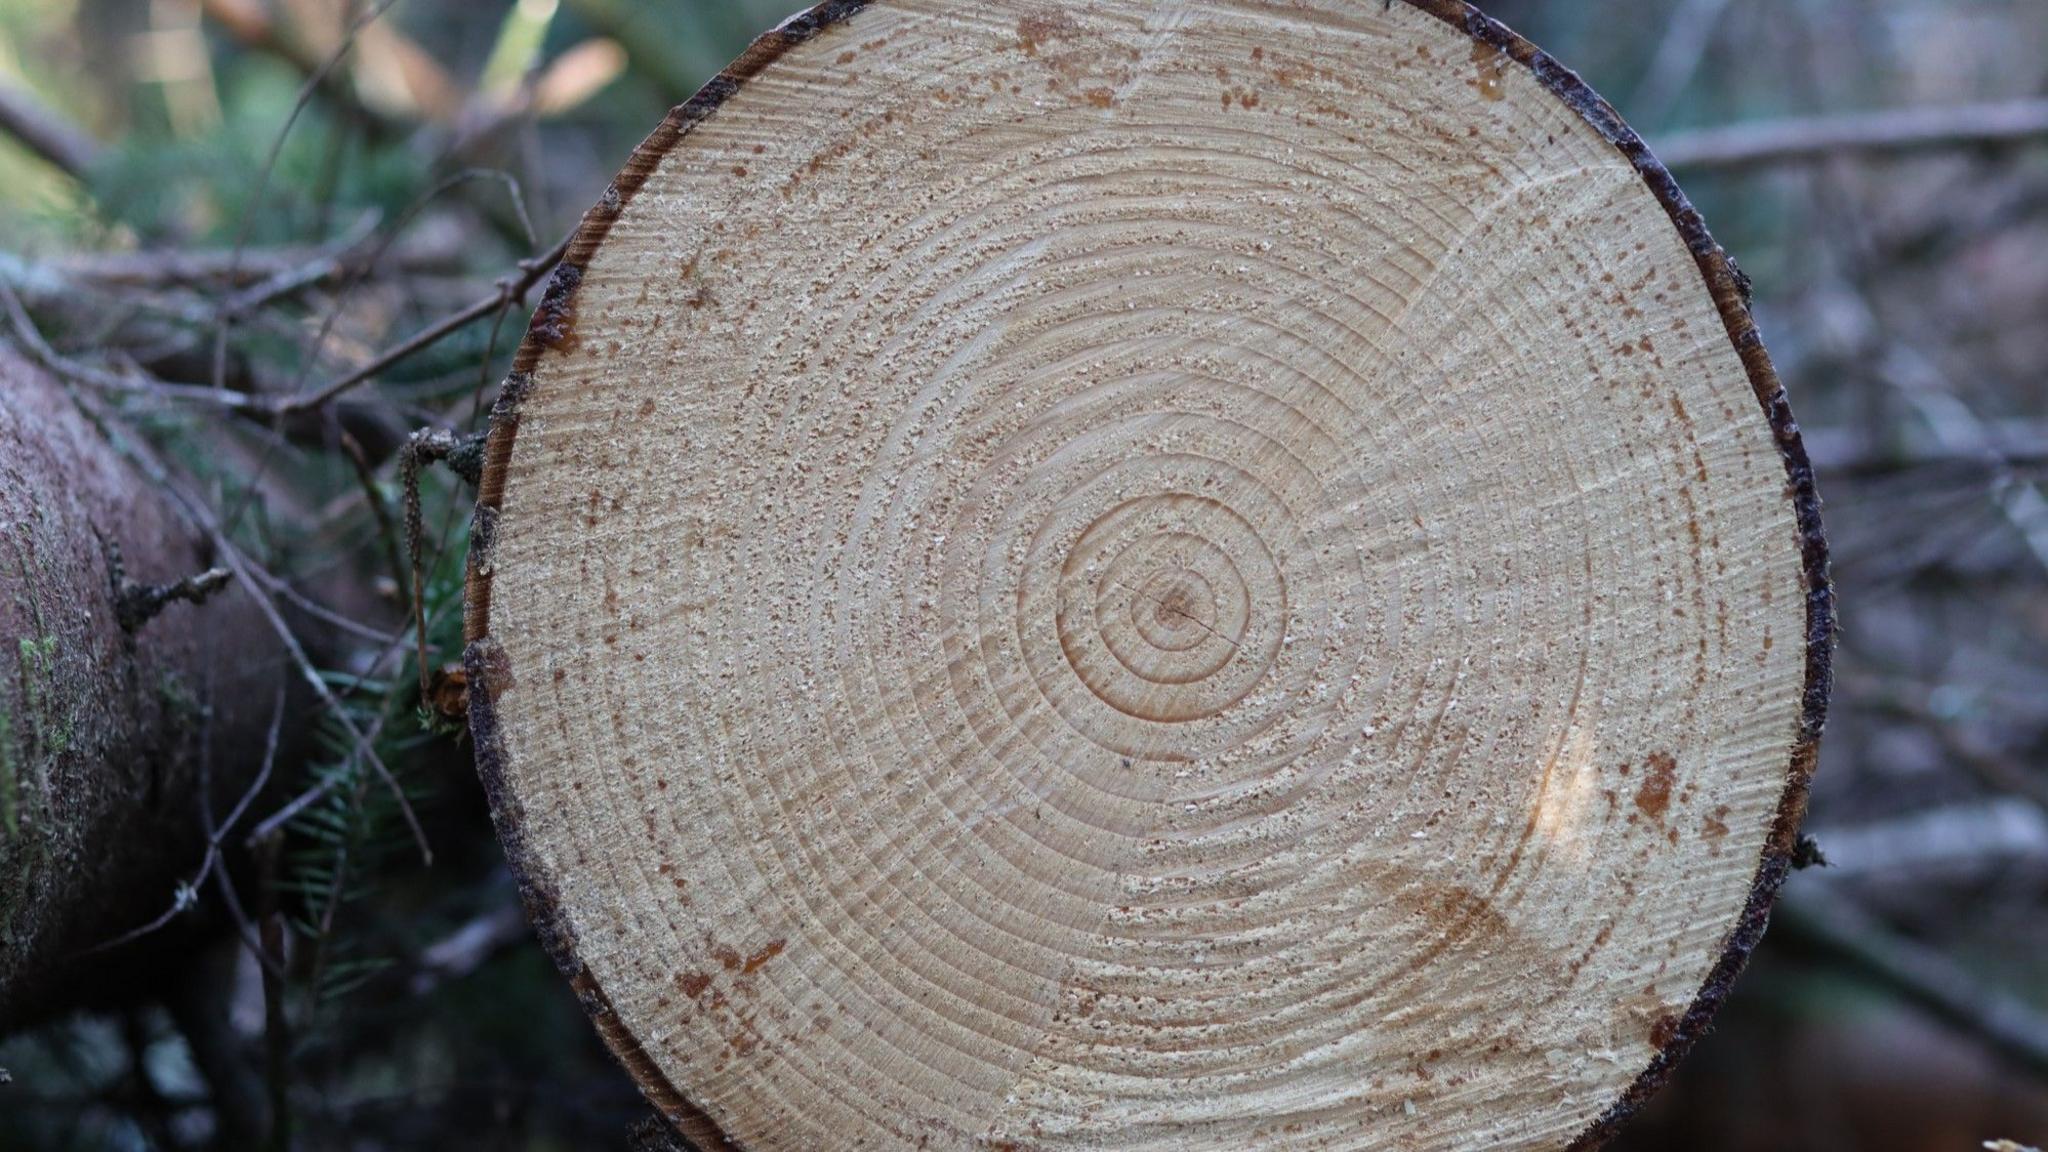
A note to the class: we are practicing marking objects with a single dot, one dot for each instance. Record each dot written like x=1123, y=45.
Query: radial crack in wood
x=1211, y=575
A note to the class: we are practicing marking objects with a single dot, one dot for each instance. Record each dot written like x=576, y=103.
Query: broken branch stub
x=1146, y=575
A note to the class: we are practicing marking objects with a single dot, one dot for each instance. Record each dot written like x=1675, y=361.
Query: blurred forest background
x=282, y=235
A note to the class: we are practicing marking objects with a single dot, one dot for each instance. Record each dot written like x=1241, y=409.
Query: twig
x=1963, y=842
x=252, y=26
x=255, y=789
x=335, y=888
x=215, y=269
x=1922, y=976
x=280, y=409
x=1956, y=424
x=363, y=744
x=510, y=290
x=338, y=259
x=252, y=937
x=186, y=894
x=391, y=236
x=1808, y=139
x=291, y=809
x=1871, y=465
x=1988, y=766
x=207, y=524
x=387, y=533
x=49, y=358
x=316, y=610
x=98, y=294
x=48, y=135
x=251, y=212
x=465, y=950
x=205, y=268
x=1686, y=39
x=394, y=644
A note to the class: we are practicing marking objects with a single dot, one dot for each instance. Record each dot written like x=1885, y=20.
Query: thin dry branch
x=64, y=368
x=1920, y=975
x=1677, y=59
x=318, y=611
x=313, y=83
x=186, y=894
x=510, y=290
x=466, y=949
x=200, y=267
x=270, y=826
x=391, y=237
x=1987, y=765
x=45, y=133
x=464, y=457
x=387, y=532
x=1809, y=139
x=260, y=275
x=364, y=745
x=252, y=26
x=2016, y=445
x=202, y=518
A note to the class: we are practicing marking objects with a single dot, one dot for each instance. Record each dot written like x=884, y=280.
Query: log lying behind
x=100, y=723
x=1131, y=575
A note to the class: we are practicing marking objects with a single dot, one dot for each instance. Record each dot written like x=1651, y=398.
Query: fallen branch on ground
x=1809, y=139
x=1920, y=975
x=47, y=134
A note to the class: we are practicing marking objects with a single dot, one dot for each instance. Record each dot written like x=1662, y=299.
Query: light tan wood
x=1144, y=575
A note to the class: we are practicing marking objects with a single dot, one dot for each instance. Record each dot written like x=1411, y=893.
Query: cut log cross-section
x=1133, y=575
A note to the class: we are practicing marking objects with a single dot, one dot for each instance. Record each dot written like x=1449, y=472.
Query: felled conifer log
x=134, y=682
x=1137, y=575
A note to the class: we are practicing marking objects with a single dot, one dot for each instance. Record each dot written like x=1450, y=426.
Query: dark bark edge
x=553, y=325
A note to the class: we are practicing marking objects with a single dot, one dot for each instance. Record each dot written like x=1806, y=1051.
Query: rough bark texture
x=842, y=584
x=100, y=727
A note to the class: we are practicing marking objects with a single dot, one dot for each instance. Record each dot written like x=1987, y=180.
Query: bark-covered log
x=104, y=690
x=1225, y=575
